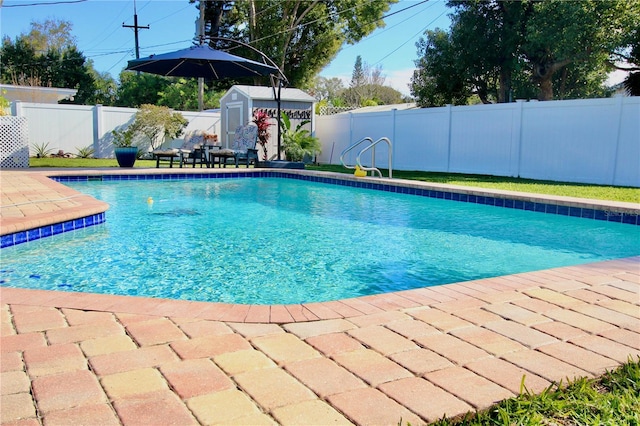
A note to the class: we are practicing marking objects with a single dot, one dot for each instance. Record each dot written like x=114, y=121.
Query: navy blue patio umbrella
x=204, y=61
x=201, y=61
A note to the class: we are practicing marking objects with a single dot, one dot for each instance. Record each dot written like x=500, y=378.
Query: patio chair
x=242, y=149
x=192, y=150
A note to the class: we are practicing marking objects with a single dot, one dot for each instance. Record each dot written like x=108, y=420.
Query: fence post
x=618, y=126
x=516, y=145
x=393, y=136
x=449, y=124
x=16, y=108
x=97, y=126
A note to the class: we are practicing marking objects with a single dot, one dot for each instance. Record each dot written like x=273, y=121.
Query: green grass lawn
x=599, y=192
x=611, y=399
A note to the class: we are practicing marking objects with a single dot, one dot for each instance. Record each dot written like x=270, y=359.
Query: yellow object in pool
x=149, y=200
x=359, y=172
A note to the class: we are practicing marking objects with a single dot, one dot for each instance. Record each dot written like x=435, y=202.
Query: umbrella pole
x=278, y=102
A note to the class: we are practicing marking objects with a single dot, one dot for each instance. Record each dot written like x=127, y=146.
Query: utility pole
x=201, y=37
x=136, y=27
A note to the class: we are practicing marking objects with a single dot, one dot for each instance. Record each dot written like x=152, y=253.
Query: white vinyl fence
x=589, y=141
x=69, y=128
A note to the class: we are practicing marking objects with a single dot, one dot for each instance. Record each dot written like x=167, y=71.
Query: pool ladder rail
x=370, y=147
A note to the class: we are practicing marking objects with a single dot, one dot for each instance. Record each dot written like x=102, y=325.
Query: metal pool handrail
x=373, y=157
x=351, y=147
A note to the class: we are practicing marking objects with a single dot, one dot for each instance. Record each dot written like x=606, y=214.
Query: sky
x=97, y=26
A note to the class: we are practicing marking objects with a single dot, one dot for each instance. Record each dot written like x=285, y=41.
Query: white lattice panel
x=14, y=142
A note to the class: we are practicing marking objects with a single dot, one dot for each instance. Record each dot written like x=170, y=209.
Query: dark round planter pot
x=126, y=157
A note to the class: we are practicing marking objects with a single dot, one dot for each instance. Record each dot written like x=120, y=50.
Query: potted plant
x=123, y=147
x=298, y=143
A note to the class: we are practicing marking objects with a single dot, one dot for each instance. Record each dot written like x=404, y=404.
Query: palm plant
x=298, y=143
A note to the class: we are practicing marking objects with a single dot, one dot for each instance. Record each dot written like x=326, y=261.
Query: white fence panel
x=484, y=134
x=421, y=141
x=590, y=141
x=335, y=136
x=107, y=119
x=627, y=163
x=572, y=141
x=66, y=127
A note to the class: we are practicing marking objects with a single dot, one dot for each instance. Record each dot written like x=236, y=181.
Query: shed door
x=235, y=118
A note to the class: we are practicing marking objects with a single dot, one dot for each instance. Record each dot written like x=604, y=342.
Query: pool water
x=273, y=240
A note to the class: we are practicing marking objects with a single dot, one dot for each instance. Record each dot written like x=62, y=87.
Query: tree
x=323, y=88
x=139, y=89
x=105, y=87
x=580, y=33
x=158, y=123
x=499, y=50
x=627, y=58
x=367, y=87
x=52, y=34
x=182, y=94
x=47, y=57
x=440, y=77
x=358, y=77
x=301, y=36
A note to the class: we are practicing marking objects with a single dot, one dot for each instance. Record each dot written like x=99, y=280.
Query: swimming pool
x=273, y=240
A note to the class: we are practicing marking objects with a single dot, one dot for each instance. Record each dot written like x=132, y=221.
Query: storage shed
x=240, y=102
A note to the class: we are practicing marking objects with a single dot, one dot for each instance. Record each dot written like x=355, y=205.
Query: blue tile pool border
x=9, y=240
x=497, y=201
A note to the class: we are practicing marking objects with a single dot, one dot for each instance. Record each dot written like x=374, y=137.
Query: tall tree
x=51, y=34
x=302, y=36
x=358, y=77
x=182, y=95
x=501, y=49
x=583, y=33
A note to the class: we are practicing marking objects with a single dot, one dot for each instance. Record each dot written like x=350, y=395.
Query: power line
x=409, y=39
x=44, y=4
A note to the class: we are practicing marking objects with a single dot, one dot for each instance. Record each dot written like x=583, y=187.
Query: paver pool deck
x=411, y=356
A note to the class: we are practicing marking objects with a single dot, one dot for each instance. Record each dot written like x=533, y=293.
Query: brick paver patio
x=411, y=356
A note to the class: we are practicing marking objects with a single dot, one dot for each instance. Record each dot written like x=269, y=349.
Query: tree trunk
x=543, y=74
x=545, y=89
x=504, y=89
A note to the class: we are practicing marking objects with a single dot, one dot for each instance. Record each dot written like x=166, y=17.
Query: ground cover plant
x=598, y=192
x=611, y=399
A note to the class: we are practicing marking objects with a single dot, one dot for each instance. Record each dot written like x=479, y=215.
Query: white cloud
x=399, y=80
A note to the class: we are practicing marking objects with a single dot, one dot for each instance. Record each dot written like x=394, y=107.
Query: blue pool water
x=271, y=240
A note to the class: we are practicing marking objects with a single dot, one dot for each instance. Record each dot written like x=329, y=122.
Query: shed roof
x=266, y=93
x=49, y=95
x=383, y=108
